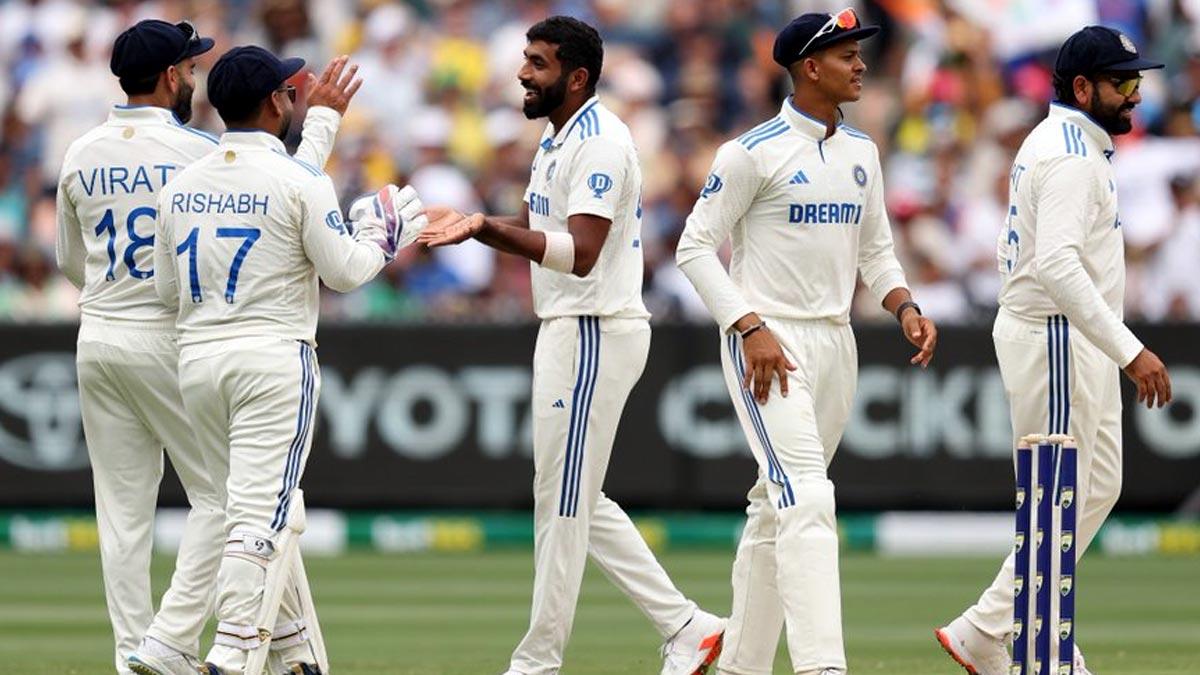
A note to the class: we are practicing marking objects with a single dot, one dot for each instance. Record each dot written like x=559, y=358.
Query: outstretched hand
x=335, y=87
x=449, y=226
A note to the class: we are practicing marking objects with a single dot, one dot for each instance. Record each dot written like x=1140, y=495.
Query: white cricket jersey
x=1061, y=250
x=107, y=192
x=589, y=167
x=243, y=234
x=805, y=215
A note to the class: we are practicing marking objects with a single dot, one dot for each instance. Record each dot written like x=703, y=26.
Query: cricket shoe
x=174, y=664
x=695, y=647
x=303, y=669
x=1080, y=666
x=207, y=668
x=975, y=651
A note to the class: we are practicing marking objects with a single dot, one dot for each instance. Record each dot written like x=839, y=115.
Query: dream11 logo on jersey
x=40, y=424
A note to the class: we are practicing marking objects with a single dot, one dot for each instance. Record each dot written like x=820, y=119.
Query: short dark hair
x=579, y=45
x=242, y=114
x=1064, y=88
x=137, y=86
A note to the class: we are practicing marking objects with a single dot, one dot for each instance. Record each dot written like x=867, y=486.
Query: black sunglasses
x=290, y=89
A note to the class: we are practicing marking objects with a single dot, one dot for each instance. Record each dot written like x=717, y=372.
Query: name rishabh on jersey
x=244, y=233
x=589, y=167
x=107, y=191
x=805, y=215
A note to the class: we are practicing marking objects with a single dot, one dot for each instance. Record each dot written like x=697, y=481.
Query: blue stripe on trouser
x=581, y=403
x=1058, y=347
x=775, y=470
x=291, y=472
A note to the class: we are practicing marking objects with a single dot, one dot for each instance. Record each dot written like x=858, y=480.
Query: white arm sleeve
x=69, y=249
x=727, y=195
x=877, y=263
x=316, y=141
x=166, y=284
x=342, y=262
x=1064, y=205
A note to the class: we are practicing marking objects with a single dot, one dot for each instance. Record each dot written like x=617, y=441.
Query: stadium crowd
x=953, y=87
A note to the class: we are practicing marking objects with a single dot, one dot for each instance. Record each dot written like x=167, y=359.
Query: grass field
x=434, y=614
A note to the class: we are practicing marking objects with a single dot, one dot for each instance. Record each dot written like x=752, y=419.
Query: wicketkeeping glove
x=391, y=218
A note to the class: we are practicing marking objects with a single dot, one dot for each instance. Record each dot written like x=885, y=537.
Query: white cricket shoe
x=695, y=647
x=176, y=664
x=974, y=650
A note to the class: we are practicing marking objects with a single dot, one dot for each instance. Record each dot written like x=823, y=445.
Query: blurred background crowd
x=953, y=86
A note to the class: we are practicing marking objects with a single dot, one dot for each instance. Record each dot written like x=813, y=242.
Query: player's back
x=108, y=188
x=234, y=220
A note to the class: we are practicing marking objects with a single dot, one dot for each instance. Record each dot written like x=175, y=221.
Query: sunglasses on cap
x=193, y=36
x=290, y=90
x=1125, y=86
x=845, y=19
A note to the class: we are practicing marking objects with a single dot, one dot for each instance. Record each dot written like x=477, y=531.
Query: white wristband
x=560, y=252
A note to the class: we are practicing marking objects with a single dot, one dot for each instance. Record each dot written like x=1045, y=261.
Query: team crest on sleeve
x=334, y=220
x=712, y=186
x=599, y=183
x=860, y=175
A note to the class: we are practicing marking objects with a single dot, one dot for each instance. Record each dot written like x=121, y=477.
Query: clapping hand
x=334, y=89
x=449, y=226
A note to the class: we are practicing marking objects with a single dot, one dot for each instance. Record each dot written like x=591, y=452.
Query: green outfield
x=435, y=614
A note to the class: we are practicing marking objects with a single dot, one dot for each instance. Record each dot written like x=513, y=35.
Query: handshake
x=393, y=218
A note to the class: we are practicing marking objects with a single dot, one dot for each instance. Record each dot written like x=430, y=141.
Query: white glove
x=391, y=218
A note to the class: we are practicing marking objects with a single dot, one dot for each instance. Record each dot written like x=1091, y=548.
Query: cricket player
x=1059, y=333
x=581, y=231
x=243, y=234
x=127, y=348
x=801, y=198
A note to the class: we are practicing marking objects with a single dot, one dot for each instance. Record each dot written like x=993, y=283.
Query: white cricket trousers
x=253, y=401
x=583, y=370
x=786, y=569
x=1057, y=382
x=131, y=407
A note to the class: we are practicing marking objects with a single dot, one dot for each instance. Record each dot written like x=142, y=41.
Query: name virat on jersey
x=220, y=203
x=112, y=180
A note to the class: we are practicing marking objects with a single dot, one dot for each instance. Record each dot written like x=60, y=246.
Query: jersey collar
x=251, y=138
x=807, y=125
x=553, y=140
x=1086, y=122
x=127, y=114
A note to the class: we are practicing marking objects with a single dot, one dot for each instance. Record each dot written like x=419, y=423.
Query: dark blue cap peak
x=814, y=31
x=150, y=46
x=243, y=76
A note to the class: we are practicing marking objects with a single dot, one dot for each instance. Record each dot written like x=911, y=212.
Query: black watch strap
x=905, y=305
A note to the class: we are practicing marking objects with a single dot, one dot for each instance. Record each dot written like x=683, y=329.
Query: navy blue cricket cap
x=815, y=31
x=1095, y=49
x=150, y=46
x=243, y=76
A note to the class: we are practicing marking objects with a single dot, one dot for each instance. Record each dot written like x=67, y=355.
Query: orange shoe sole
x=944, y=641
